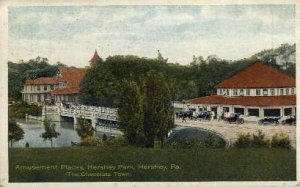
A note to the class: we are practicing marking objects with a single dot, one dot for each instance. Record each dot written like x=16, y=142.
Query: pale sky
x=71, y=34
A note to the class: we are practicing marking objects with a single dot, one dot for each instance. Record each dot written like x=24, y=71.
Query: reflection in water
x=33, y=130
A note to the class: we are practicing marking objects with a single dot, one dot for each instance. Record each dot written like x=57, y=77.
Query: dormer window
x=257, y=91
x=219, y=91
x=242, y=92
x=272, y=91
x=224, y=92
x=281, y=91
x=235, y=92
x=247, y=91
x=265, y=91
x=287, y=91
x=62, y=84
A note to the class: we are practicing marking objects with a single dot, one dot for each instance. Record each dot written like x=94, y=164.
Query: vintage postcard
x=186, y=93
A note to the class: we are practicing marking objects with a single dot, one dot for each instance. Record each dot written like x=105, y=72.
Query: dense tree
x=99, y=87
x=15, y=132
x=84, y=128
x=131, y=114
x=33, y=68
x=157, y=108
x=50, y=132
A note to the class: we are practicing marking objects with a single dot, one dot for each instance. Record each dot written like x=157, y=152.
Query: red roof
x=43, y=80
x=246, y=101
x=95, y=58
x=73, y=77
x=258, y=75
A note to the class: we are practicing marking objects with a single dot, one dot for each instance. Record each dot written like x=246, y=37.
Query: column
x=294, y=110
x=261, y=112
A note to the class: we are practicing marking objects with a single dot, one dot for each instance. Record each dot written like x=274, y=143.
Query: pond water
x=33, y=129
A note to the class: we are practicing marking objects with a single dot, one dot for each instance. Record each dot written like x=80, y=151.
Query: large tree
x=50, y=132
x=15, y=132
x=157, y=108
x=131, y=114
x=99, y=87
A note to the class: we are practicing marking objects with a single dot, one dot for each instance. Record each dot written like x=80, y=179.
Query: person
x=212, y=115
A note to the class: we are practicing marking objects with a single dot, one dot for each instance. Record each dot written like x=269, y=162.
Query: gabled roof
x=258, y=75
x=43, y=80
x=286, y=100
x=73, y=77
x=95, y=58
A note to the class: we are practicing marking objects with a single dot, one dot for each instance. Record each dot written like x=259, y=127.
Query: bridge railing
x=90, y=111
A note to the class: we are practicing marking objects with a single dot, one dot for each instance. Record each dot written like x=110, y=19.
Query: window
x=241, y=91
x=257, y=91
x=265, y=91
x=38, y=87
x=227, y=92
x=45, y=88
x=248, y=92
x=272, y=91
x=234, y=91
x=287, y=91
x=281, y=91
x=292, y=91
x=52, y=87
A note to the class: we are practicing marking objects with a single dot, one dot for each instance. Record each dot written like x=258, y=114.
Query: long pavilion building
x=257, y=91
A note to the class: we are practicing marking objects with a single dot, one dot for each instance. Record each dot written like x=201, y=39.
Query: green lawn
x=187, y=164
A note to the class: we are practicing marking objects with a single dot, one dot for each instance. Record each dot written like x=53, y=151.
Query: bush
x=259, y=140
x=104, y=137
x=281, y=141
x=19, y=109
x=91, y=141
x=243, y=141
x=116, y=141
x=209, y=141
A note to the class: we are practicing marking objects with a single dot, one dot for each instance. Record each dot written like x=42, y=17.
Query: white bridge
x=92, y=113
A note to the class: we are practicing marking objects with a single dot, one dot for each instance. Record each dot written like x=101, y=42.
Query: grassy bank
x=137, y=164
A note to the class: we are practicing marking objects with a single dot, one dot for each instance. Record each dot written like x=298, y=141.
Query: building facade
x=64, y=87
x=257, y=91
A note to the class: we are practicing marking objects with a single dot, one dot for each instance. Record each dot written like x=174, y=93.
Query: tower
x=95, y=58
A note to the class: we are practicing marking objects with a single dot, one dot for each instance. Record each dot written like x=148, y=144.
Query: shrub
x=104, y=137
x=91, y=141
x=243, y=141
x=116, y=141
x=20, y=108
x=209, y=142
x=281, y=141
x=221, y=143
x=259, y=140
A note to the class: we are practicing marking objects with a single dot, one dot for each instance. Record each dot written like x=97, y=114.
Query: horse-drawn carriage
x=234, y=118
x=190, y=114
x=205, y=115
x=185, y=114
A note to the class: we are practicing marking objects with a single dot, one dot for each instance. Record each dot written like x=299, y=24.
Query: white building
x=258, y=90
